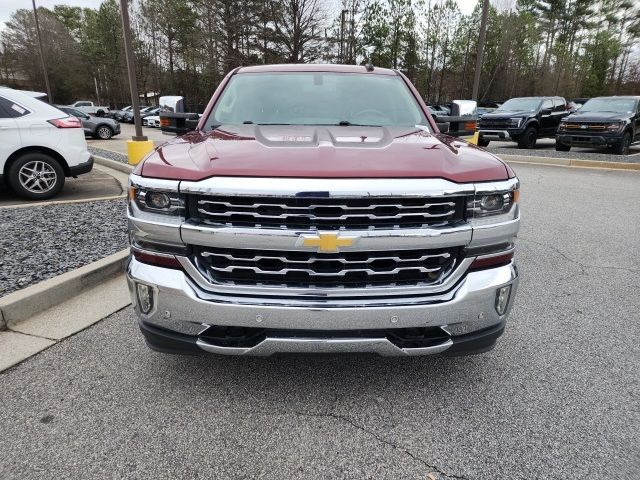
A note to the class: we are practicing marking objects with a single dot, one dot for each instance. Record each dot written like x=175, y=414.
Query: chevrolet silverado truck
x=602, y=122
x=523, y=120
x=317, y=208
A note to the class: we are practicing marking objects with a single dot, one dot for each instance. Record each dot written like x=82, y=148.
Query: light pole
x=139, y=145
x=480, y=52
x=44, y=65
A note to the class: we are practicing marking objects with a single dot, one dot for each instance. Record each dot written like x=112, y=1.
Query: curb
x=121, y=167
x=29, y=301
x=570, y=162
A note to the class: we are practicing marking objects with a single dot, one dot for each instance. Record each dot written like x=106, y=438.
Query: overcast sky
x=7, y=7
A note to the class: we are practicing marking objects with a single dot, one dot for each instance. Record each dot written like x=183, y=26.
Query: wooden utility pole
x=131, y=70
x=480, y=52
x=44, y=65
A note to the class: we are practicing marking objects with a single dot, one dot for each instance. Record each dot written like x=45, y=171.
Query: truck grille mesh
x=494, y=123
x=310, y=269
x=326, y=213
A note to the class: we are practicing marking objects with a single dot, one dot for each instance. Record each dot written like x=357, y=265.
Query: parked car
x=39, y=146
x=128, y=116
x=118, y=114
x=602, y=122
x=523, y=120
x=314, y=208
x=151, y=121
x=90, y=108
x=152, y=111
x=97, y=127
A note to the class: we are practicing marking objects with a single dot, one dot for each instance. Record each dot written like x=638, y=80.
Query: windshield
x=316, y=98
x=614, y=105
x=515, y=104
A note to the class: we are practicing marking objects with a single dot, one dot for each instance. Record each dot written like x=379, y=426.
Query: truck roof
x=313, y=67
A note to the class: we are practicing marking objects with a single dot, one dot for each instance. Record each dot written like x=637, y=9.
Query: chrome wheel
x=104, y=133
x=37, y=176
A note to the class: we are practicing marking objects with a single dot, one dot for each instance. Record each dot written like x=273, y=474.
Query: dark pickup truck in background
x=523, y=120
x=602, y=122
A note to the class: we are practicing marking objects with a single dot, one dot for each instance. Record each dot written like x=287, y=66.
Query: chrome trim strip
x=469, y=306
x=328, y=187
x=287, y=239
x=287, y=294
x=270, y=345
x=154, y=183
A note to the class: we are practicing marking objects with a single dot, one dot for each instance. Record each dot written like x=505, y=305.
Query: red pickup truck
x=317, y=208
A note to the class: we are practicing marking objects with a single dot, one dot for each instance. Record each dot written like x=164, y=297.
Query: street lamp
x=139, y=145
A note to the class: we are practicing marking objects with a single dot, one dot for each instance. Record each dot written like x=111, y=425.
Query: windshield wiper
x=347, y=123
x=250, y=122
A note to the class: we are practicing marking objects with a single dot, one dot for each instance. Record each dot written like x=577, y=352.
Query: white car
x=151, y=121
x=39, y=145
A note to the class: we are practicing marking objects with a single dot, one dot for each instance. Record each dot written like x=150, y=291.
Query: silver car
x=97, y=127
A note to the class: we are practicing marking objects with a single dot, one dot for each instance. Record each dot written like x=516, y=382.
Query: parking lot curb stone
x=569, y=162
x=25, y=303
x=122, y=167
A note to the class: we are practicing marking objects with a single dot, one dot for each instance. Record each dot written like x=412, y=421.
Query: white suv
x=39, y=145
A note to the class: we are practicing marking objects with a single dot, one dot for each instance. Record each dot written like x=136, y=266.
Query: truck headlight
x=490, y=202
x=155, y=196
x=515, y=122
x=613, y=127
x=562, y=127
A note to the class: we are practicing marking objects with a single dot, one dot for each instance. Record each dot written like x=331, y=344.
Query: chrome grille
x=327, y=213
x=310, y=269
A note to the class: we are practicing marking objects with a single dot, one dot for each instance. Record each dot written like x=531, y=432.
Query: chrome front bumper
x=183, y=307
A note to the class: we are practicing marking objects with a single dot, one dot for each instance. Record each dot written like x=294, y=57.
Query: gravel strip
x=602, y=157
x=111, y=155
x=41, y=242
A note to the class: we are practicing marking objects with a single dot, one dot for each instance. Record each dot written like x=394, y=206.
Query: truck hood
x=507, y=114
x=597, y=117
x=321, y=152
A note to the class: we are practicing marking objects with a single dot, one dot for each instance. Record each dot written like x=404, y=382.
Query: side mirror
x=178, y=123
x=443, y=127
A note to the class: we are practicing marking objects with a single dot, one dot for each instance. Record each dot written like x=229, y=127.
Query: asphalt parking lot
x=95, y=184
x=119, y=142
x=557, y=399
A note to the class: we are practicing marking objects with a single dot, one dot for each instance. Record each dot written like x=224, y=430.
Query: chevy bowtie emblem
x=326, y=242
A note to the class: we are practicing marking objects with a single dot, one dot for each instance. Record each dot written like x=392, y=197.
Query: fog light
x=157, y=200
x=145, y=298
x=502, y=299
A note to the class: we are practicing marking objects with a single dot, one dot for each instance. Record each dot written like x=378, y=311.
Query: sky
x=7, y=7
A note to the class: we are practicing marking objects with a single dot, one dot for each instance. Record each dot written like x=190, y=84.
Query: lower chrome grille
x=340, y=270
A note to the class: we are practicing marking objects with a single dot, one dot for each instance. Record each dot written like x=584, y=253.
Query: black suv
x=602, y=122
x=523, y=120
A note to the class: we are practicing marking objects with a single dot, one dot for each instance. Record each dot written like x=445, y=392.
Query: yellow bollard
x=475, y=138
x=136, y=150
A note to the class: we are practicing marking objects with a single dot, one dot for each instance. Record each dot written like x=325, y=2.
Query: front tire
x=36, y=176
x=622, y=148
x=528, y=138
x=561, y=147
x=103, y=132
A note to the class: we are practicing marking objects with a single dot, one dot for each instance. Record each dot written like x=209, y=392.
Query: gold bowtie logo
x=326, y=242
